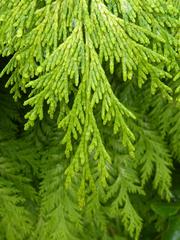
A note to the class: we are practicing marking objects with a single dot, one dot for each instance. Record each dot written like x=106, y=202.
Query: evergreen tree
x=98, y=83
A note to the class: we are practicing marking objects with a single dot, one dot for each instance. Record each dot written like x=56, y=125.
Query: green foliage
x=98, y=83
x=16, y=192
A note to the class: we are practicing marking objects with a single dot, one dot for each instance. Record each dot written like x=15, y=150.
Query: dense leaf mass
x=96, y=86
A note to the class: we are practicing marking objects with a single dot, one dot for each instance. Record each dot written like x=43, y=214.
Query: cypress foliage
x=98, y=83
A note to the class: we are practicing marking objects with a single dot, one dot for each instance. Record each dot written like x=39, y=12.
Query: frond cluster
x=99, y=81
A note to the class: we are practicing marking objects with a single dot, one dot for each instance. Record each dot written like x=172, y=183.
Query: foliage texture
x=98, y=83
